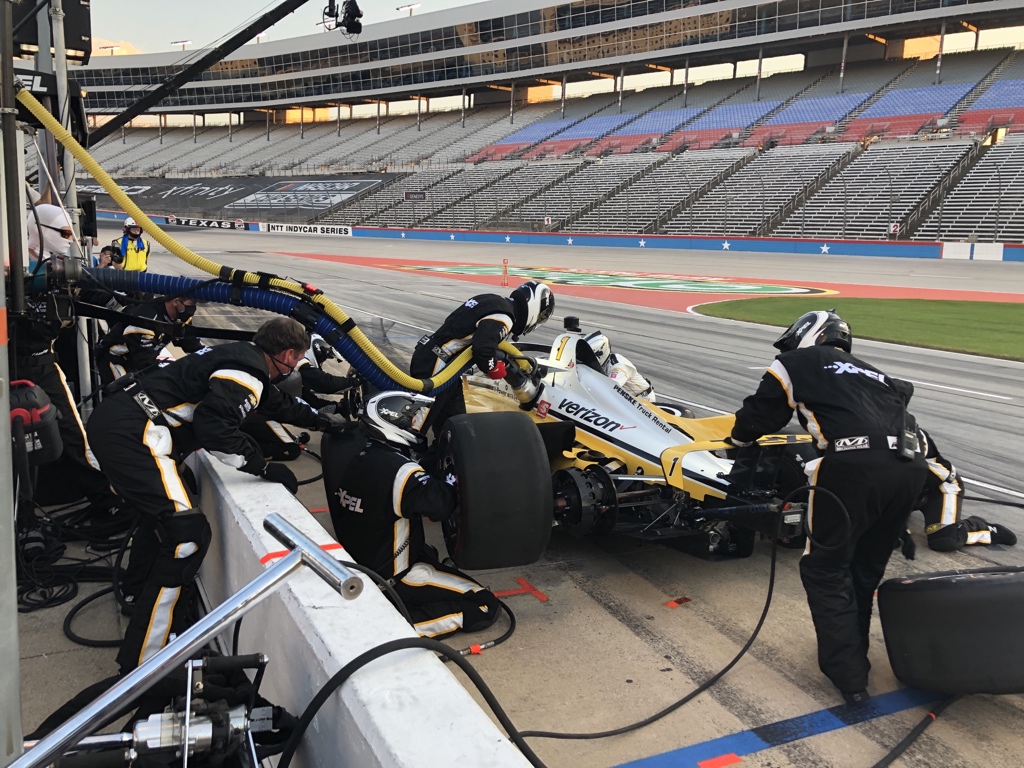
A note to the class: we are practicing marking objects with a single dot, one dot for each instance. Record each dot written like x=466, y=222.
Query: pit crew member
x=142, y=432
x=483, y=321
x=383, y=494
x=871, y=462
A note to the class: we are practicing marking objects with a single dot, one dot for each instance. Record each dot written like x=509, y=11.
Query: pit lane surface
x=604, y=649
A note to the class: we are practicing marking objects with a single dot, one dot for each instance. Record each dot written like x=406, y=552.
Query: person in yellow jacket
x=134, y=250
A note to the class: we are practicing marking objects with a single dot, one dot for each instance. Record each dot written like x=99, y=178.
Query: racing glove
x=279, y=473
x=329, y=420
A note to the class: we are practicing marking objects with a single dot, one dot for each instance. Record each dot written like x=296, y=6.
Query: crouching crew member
x=383, y=494
x=484, y=322
x=129, y=348
x=942, y=503
x=141, y=433
x=858, y=417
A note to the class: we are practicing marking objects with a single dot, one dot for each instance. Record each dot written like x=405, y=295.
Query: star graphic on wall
x=403, y=234
x=643, y=243
x=725, y=245
x=452, y=237
x=824, y=248
x=569, y=240
x=508, y=238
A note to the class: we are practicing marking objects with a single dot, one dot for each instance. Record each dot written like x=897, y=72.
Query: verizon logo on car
x=588, y=415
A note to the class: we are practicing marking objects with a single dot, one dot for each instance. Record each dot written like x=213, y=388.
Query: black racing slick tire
x=504, y=484
x=956, y=632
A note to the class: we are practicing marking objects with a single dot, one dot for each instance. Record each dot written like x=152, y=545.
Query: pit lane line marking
x=525, y=588
x=730, y=750
x=691, y=403
x=997, y=488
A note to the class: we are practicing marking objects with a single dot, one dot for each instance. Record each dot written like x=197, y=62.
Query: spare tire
x=504, y=484
x=956, y=632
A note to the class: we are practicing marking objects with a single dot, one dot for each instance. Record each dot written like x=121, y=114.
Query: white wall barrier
x=405, y=710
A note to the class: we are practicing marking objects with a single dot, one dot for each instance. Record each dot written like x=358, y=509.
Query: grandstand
x=987, y=204
x=882, y=187
x=748, y=201
x=787, y=154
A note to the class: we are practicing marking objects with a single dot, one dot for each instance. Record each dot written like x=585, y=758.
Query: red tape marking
x=329, y=546
x=526, y=588
x=677, y=602
x=721, y=761
x=316, y=510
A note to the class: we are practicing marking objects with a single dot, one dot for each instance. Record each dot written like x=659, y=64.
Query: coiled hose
x=271, y=301
x=368, y=353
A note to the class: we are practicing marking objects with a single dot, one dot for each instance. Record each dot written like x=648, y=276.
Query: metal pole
x=889, y=227
x=268, y=124
x=938, y=59
x=686, y=81
x=145, y=676
x=563, y=95
x=339, y=121
x=846, y=203
x=512, y=104
x=194, y=129
x=760, y=61
x=302, y=122
x=463, y=107
x=10, y=225
x=419, y=107
x=842, y=62
x=999, y=201
x=622, y=83
x=160, y=128
x=378, y=117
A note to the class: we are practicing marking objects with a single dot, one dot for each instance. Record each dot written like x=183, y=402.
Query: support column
x=419, y=109
x=686, y=80
x=302, y=122
x=463, y=107
x=734, y=65
x=339, y=119
x=938, y=59
x=563, y=95
x=378, y=117
x=842, y=62
x=160, y=128
x=622, y=86
x=230, y=138
x=512, y=104
x=194, y=129
x=268, y=125
x=760, y=62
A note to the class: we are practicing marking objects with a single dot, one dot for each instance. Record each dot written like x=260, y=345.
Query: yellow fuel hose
x=251, y=278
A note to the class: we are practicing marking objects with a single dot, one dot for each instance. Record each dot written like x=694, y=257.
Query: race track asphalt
x=604, y=649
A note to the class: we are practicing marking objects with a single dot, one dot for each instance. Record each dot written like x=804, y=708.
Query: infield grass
x=992, y=329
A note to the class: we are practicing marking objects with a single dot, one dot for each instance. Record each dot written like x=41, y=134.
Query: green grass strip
x=993, y=329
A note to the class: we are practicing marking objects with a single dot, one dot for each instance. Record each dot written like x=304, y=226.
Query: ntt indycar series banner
x=308, y=229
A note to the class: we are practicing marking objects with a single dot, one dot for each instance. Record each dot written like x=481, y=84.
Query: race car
x=559, y=446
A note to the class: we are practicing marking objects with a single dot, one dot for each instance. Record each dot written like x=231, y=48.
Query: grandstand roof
x=526, y=42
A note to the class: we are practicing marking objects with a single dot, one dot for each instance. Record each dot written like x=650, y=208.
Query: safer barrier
x=404, y=710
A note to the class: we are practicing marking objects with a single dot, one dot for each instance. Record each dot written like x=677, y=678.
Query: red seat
x=703, y=139
x=900, y=125
x=984, y=120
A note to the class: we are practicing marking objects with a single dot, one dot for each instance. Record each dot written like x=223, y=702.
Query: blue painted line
x=787, y=731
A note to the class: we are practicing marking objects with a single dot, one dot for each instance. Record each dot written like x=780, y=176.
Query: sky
x=136, y=29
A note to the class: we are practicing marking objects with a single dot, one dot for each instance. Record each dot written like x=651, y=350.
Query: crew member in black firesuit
x=129, y=348
x=33, y=357
x=378, y=508
x=872, y=463
x=142, y=432
x=942, y=504
x=484, y=321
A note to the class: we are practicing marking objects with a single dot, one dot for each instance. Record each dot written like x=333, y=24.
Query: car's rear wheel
x=504, y=484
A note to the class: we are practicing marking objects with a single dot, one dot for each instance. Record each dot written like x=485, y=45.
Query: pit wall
x=403, y=710
x=912, y=249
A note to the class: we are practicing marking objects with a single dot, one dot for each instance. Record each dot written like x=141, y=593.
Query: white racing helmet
x=129, y=223
x=397, y=418
x=534, y=303
x=599, y=343
x=821, y=327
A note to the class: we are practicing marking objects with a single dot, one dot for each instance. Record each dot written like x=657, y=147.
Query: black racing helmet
x=823, y=327
x=534, y=304
x=397, y=418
